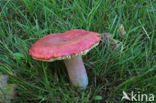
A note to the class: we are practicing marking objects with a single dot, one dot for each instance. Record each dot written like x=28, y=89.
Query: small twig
x=145, y=31
x=15, y=12
x=8, y=18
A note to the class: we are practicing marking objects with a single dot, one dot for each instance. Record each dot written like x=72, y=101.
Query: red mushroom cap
x=60, y=46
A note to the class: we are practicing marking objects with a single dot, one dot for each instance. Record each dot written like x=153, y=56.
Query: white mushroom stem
x=77, y=72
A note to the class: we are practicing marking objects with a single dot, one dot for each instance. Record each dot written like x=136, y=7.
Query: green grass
x=132, y=68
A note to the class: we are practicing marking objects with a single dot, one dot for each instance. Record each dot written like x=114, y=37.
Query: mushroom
x=68, y=46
